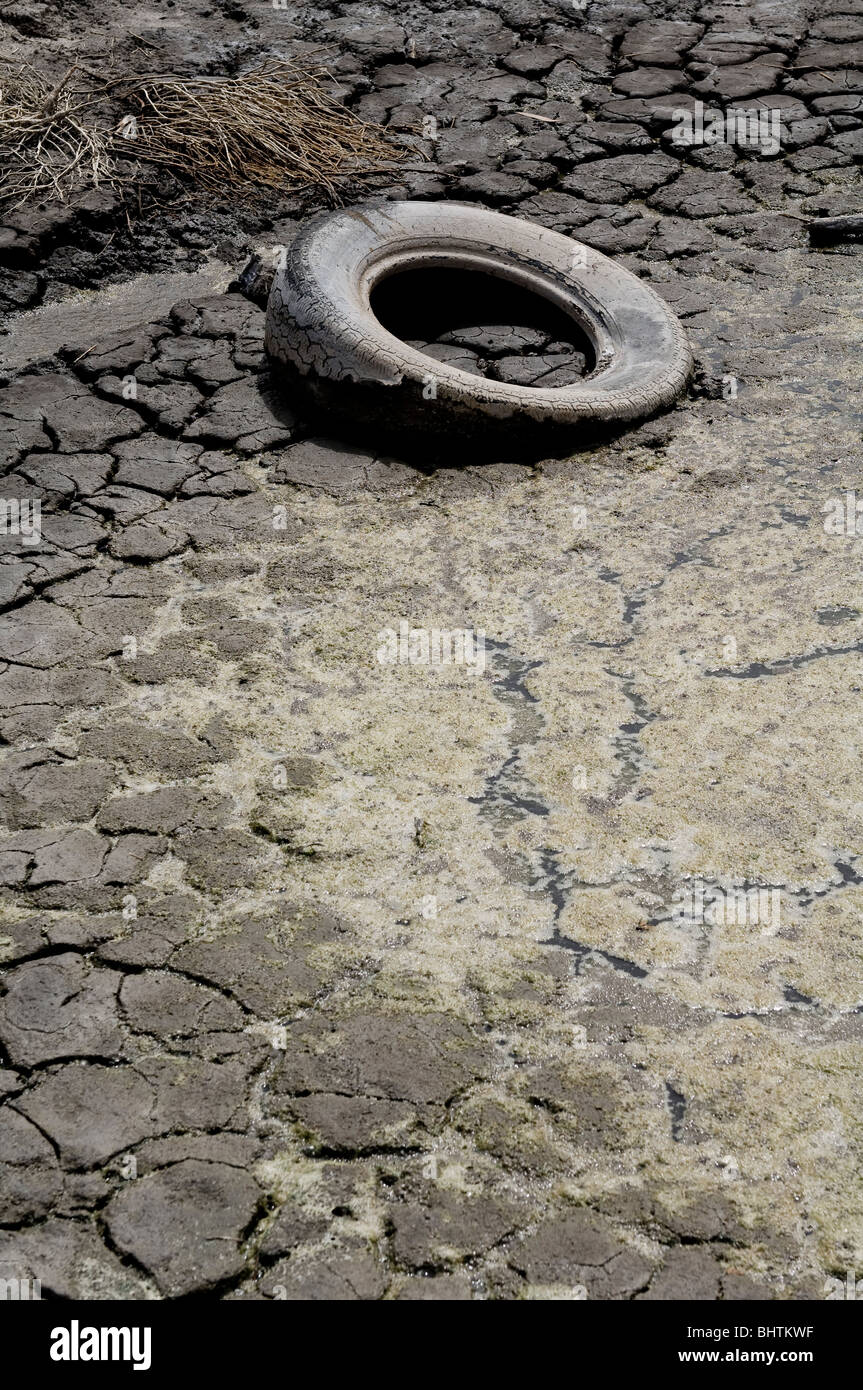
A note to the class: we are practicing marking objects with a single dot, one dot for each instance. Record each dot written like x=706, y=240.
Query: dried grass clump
x=276, y=127
x=52, y=141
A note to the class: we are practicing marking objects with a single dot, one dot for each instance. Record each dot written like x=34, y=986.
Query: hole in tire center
x=484, y=325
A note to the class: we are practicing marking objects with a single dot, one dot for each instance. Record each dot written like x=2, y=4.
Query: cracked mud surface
x=326, y=979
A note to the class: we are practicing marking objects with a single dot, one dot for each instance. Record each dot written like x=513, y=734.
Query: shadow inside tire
x=437, y=305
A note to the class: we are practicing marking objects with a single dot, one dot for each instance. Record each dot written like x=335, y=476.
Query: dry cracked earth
x=330, y=980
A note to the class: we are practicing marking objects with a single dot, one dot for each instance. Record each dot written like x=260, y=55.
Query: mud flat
x=338, y=979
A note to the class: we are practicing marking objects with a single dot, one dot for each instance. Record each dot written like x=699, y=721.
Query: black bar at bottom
x=84, y=1341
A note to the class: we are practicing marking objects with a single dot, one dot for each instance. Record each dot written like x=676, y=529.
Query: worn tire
x=321, y=330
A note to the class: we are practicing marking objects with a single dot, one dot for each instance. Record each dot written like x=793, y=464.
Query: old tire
x=321, y=331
